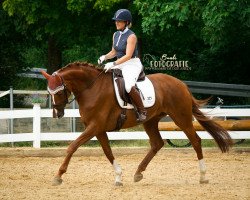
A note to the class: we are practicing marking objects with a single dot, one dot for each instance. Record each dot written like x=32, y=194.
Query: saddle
x=143, y=85
x=117, y=74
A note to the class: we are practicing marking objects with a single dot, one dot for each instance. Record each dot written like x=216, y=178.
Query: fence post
x=74, y=119
x=37, y=125
x=11, y=108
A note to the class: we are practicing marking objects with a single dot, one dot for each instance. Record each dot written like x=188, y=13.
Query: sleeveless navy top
x=120, y=43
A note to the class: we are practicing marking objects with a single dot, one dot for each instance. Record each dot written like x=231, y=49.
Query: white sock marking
x=202, y=165
x=202, y=171
x=118, y=172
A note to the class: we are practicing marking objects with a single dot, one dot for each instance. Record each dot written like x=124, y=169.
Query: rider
x=125, y=49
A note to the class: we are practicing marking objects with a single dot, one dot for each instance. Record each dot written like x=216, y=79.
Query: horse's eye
x=60, y=93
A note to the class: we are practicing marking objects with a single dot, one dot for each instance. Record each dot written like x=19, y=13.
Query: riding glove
x=101, y=59
x=109, y=66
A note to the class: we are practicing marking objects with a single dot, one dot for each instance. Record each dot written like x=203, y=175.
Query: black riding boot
x=137, y=102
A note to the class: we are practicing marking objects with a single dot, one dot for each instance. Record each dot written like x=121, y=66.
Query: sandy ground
x=172, y=174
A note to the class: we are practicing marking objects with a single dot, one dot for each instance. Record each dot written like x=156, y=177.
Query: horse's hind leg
x=156, y=142
x=186, y=125
x=103, y=139
x=196, y=143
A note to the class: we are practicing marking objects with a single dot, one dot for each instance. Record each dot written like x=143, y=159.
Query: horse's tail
x=220, y=135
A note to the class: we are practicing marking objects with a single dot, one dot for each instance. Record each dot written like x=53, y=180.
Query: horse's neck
x=90, y=88
x=79, y=79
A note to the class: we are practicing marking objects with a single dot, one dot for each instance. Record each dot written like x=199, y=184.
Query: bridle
x=63, y=88
x=58, y=89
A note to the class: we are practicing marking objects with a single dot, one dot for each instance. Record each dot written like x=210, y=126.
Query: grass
x=120, y=143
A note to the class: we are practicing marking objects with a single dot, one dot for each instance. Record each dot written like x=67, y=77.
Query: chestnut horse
x=99, y=112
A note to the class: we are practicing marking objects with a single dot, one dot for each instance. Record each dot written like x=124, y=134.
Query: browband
x=59, y=88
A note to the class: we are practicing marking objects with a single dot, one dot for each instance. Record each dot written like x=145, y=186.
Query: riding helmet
x=123, y=15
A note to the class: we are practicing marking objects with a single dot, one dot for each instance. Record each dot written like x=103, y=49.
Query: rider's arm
x=110, y=54
x=131, y=43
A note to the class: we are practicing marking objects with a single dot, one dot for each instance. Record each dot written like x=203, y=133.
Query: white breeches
x=130, y=71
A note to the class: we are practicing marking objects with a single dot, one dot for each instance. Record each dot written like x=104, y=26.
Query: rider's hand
x=101, y=59
x=108, y=66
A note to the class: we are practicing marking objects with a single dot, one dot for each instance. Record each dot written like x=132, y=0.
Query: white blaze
x=53, y=101
x=53, y=98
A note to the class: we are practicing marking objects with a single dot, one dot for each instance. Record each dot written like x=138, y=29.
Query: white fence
x=37, y=113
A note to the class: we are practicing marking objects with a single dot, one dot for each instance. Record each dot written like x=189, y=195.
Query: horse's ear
x=47, y=76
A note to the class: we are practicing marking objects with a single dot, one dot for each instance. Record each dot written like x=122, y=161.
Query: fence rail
x=37, y=113
x=221, y=89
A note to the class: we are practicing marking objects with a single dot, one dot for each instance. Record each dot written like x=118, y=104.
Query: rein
x=89, y=86
x=93, y=82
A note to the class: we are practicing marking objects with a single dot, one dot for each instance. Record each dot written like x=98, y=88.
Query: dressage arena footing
x=27, y=173
x=96, y=151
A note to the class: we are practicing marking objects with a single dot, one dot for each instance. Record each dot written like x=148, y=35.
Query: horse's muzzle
x=58, y=113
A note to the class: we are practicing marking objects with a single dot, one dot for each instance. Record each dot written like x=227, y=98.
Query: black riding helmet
x=123, y=15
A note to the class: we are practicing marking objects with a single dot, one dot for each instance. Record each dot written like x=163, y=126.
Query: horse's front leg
x=103, y=139
x=84, y=137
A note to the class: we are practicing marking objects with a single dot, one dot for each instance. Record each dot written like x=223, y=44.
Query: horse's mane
x=80, y=65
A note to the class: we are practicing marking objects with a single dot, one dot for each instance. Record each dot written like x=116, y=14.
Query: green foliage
x=10, y=59
x=89, y=50
x=36, y=98
x=23, y=83
x=105, y=4
x=213, y=35
x=225, y=21
x=166, y=15
x=34, y=57
x=218, y=20
x=70, y=23
x=77, y=5
x=102, y=5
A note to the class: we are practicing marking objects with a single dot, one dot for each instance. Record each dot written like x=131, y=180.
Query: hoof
x=138, y=177
x=118, y=184
x=204, y=181
x=57, y=181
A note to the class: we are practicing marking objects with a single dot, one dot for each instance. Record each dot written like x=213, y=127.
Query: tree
x=10, y=46
x=10, y=60
x=60, y=23
x=46, y=20
x=212, y=35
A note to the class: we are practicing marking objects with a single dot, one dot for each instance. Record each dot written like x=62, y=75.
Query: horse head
x=59, y=93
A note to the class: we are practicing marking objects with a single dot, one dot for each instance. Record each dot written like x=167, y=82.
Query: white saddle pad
x=147, y=94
